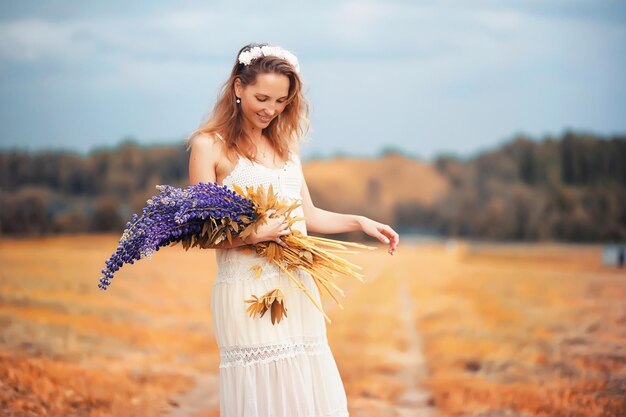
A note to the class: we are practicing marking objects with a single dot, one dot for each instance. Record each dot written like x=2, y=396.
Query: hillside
x=373, y=187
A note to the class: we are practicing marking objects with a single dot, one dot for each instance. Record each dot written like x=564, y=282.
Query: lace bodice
x=286, y=181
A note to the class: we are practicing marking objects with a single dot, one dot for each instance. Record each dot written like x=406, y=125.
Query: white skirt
x=281, y=370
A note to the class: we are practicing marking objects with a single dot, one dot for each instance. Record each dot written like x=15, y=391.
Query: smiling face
x=263, y=100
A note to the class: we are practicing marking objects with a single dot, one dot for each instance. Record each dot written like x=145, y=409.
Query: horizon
x=308, y=156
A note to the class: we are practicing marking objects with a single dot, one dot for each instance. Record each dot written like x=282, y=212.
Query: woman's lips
x=264, y=119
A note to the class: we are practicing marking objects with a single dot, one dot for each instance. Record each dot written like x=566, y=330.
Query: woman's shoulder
x=209, y=147
x=209, y=137
x=294, y=149
x=208, y=142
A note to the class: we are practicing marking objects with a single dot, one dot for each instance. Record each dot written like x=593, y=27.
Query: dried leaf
x=258, y=269
x=238, y=189
x=271, y=251
x=272, y=300
x=205, y=227
x=271, y=196
x=278, y=311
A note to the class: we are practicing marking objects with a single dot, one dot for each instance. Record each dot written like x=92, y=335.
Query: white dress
x=266, y=370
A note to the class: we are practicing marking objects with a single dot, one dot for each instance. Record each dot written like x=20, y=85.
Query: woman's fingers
x=390, y=237
x=380, y=236
x=393, y=236
x=275, y=228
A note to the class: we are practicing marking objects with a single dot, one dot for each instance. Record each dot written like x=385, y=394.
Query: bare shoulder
x=206, y=142
x=207, y=151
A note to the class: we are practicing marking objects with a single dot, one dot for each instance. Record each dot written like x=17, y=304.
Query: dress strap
x=293, y=156
x=219, y=136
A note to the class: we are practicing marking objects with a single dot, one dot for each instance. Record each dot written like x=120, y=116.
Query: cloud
x=34, y=39
x=470, y=64
x=352, y=21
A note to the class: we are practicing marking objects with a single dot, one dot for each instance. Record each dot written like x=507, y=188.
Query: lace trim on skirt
x=252, y=355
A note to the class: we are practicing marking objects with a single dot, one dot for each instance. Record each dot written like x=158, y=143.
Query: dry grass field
x=438, y=329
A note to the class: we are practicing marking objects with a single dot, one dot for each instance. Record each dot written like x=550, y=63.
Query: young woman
x=285, y=369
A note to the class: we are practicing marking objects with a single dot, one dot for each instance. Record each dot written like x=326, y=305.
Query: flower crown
x=246, y=57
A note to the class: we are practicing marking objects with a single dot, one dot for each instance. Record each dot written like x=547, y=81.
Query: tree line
x=58, y=192
x=571, y=188
x=568, y=188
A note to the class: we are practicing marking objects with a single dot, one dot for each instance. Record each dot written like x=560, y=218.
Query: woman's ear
x=238, y=87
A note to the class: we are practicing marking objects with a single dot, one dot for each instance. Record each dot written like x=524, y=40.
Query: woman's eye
x=263, y=100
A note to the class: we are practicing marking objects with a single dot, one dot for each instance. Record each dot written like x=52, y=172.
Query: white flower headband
x=246, y=57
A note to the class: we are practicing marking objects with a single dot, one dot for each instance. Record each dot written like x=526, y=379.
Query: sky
x=427, y=77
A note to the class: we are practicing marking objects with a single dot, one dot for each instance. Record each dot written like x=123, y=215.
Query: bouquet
x=207, y=213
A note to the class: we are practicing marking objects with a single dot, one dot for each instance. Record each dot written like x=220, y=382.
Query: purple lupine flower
x=174, y=215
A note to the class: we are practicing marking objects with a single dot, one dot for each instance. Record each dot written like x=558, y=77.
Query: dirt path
x=200, y=401
x=414, y=401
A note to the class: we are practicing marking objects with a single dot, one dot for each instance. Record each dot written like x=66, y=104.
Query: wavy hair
x=226, y=118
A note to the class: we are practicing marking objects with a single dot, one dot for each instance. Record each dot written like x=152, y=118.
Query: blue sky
x=429, y=77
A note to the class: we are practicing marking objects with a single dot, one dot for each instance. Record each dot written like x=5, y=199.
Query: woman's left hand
x=382, y=232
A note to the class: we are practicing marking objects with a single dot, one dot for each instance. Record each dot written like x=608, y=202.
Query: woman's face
x=264, y=100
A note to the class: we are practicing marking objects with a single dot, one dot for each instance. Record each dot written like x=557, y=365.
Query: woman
x=284, y=369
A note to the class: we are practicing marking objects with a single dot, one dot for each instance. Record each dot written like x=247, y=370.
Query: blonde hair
x=226, y=119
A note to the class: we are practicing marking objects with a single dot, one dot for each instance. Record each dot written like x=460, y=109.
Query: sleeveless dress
x=266, y=370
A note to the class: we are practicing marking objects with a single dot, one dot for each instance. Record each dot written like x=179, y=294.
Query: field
x=448, y=329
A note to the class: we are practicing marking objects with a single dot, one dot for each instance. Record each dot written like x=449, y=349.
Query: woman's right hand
x=271, y=230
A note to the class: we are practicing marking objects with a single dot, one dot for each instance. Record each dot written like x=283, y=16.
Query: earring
x=238, y=100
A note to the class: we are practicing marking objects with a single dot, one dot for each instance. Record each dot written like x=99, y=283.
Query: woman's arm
x=322, y=221
x=205, y=153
